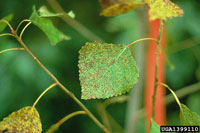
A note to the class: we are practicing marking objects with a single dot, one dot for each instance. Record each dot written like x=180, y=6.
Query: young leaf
x=189, y=118
x=163, y=9
x=116, y=7
x=47, y=27
x=106, y=70
x=155, y=128
x=44, y=12
x=25, y=120
x=2, y=24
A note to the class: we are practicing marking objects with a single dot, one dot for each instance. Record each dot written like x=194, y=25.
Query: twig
x=55, y=127
x=4, y=21
x=25, y=20
x=6, y=34
x=170, y=98
x=47, y=89
x=11, y=49
x=73, y=23
x=119, y=99
x=108, y=119
x=157, y=64
x=61, y=86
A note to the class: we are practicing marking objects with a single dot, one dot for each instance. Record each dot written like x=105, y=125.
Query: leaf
x=44, y=12
x=189, y=118
x=47, y=27
x=163, y=9
x=2, y=24
x=106, y=70
x=116, y=7
x=155, y=128
x=25, y=120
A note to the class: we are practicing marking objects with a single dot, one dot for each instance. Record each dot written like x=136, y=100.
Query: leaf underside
x=53, y=34
x=163, y=9
x=113, y=8
x=25, y=120
x=189, y=118
x=106, y=70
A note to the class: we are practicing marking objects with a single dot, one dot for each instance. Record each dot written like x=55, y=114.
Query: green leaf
x=25, y=120
x=2, y=24
x=106, y=70
x=189, y=118
x=44, y=12
x=155, y=128
x=47, y=27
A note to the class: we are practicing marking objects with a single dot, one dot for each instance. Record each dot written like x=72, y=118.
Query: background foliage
x=21, y=80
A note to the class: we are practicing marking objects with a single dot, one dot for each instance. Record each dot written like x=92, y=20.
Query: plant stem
x=20, y=36
x=25, y=20
x=157, y=65
x=143, y=39
x=11, y=49
x=6, y=34
x=183, y=92
x=173, y=93
x=55, y=127
x=61, y=86
x=47, y=89
x=4, y=21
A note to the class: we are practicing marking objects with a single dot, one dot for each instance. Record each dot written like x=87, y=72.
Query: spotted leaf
x=189, y=118
x=25, y=120
x=116, y=7
x=106, y=70
x=163, y=9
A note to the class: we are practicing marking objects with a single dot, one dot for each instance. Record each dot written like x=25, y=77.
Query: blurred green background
x=22, y=80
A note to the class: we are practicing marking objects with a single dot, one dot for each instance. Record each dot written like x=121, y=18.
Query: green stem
x=156, y=68
x=6, y=22
x=47, y=89
x=20, y=36
x=55, y=127
x=143, y=39
x=119, y=99
x=6, y=34
x=11, y=49
x=173, y=93
x=25, y=20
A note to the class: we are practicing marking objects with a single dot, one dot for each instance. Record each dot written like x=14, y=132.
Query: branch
x=156, y=69
x=61, y=86
x=73, y=23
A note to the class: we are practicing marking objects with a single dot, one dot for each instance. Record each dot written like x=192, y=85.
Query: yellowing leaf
x=25, y=120
x=106, y=70
x=163, y=9
x=116, y=7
